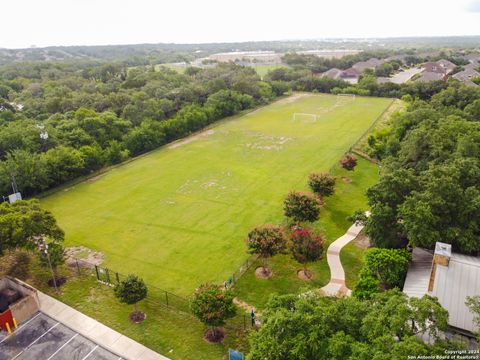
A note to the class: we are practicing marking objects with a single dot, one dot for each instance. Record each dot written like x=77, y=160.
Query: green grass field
x=178, y=216
x=262, y=70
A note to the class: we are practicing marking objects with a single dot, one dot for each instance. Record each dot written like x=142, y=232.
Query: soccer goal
x=346, y=95
x=305, y=117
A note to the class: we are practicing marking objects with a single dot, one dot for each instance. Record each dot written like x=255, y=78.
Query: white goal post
x=305, y=117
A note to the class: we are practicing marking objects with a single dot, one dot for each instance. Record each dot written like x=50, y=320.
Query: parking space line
x=90, y=353
x=55, y=353
x=21, y=326
x=28, y=347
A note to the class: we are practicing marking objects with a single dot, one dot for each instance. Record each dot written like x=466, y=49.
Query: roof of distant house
x=466, y=76
x=430, y=76
x=446, y=64
x=350, y=72
x=372, y=63
x=453, y=281
x=333, y=73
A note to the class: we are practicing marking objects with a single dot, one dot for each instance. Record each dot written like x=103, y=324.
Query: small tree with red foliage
x=348, y=162
x=305, y=247
x=213, y=306
x=266, y=241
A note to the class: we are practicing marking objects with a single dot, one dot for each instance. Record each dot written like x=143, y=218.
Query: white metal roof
x=418, y=275
x=453, y=284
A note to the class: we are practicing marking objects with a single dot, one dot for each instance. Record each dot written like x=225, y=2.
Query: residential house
x=451, y=278
x=372, y=63
x=349, y=75
x=430, y=76
x=467, y=75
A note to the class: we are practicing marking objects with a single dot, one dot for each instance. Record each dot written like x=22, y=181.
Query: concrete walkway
x=337, y=286
x=95, y=331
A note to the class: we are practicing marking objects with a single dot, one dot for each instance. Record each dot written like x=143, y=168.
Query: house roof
x=448, y=65
x=372, y=63
x=418, y=275
x=350, y=72
x=452, y=284
x=333, y=73
x=466, y=75
x=430, y=76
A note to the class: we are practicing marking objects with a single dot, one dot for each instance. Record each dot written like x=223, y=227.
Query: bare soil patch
x=84, y=256
x=95, y=178
x=362, y=241
x=305, y=274
x=58, y=280
x=192, y=138
x=263, y=273
x=346, y=180
x=214, y=336
x=293, y=98
x=137, y=317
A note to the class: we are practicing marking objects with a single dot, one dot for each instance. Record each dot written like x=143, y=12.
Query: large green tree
x=313, y=327
x=24, y=222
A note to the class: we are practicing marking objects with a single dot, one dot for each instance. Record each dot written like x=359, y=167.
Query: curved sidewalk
x=337, y=285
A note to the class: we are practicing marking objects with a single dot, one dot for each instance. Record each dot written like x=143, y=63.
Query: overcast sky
x=96, y=22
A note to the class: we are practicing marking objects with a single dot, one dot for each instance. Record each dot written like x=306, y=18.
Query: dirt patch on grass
x=214, y=336
x=293, y=98
x=305, y=274
x=191, y=139
x=263, y=273
x=137, y=317
x=95, y=178
x=362, y=241
x=346, y=180
x=86, y=257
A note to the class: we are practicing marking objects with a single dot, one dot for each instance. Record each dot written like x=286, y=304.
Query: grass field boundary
x=242, y=269
x=155, y=295
x=371, y=127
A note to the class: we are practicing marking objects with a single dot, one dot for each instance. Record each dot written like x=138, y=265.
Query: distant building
x=443, y=67
x=330, y=54
x=266, y=57
x=372, y=63
x=448, y=276
x=427, y=76
x=466, y=76
x=349, y=75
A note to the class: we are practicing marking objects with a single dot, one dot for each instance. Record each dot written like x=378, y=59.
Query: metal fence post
x=166, y=297
x=96, y=270
x=78, y=266
x=118, y=279
x=108, y=276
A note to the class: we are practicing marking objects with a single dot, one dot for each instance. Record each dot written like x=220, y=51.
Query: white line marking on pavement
x=56, y=352
x=21, y=326
x=28, y=347
x=90, y=353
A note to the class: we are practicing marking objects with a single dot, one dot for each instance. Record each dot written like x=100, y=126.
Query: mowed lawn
x=178, y=216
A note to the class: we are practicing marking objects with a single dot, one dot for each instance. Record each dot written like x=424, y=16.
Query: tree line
x=101, y=115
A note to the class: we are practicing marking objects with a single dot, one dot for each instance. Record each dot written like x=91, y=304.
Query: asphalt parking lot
x=42, y=338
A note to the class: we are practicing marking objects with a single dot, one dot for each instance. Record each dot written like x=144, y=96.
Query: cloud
x=474, y=6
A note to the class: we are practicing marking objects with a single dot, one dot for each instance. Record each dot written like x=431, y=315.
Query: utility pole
x=51, y=268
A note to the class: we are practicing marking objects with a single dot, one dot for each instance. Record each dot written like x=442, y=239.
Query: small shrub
x=322, y=184
x=348, y=162
x=301, y=207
